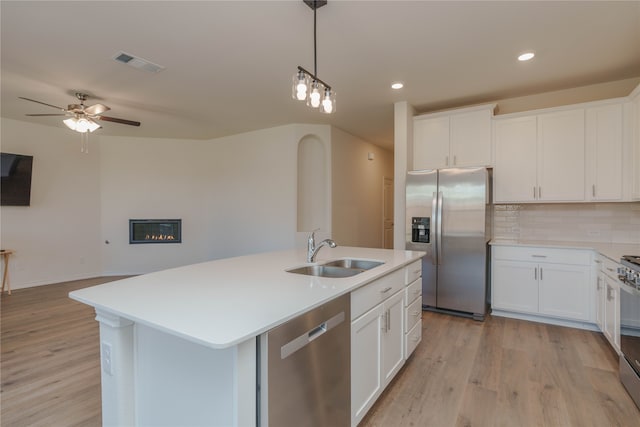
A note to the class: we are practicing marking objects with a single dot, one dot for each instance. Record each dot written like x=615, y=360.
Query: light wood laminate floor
x=500, y=372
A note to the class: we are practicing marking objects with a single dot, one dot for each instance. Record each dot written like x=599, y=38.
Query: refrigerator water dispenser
x=420, y=231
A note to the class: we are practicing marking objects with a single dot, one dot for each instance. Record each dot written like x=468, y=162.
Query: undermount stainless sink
x=339, y=268
x=362, y=264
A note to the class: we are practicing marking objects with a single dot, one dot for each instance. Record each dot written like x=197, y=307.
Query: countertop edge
x=352, y=284
x=613, y=251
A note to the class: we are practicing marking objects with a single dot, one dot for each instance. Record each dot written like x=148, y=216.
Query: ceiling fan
x=82, y=118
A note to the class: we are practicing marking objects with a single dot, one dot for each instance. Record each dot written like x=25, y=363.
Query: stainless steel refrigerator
x=449, y=217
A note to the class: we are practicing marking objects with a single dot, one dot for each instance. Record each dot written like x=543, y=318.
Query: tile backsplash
x=578, y=222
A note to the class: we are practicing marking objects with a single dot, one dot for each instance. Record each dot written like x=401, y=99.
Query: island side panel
x=117, y=369
x=179, y=382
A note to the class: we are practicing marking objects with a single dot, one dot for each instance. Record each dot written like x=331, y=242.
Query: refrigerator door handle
x=439, y=229
x=434, y=231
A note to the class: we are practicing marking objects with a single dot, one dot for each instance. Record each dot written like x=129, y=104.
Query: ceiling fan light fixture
x=81, y=124
x=71, y=123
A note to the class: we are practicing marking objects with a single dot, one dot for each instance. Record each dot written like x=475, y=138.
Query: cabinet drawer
x=412, y=339
x=412, y=272
x=369, y=295
x=609, y=267
x=413, y=292
x=413, y=314
x=552, y=255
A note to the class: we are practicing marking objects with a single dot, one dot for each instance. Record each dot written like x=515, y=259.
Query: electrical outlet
x=107, y=366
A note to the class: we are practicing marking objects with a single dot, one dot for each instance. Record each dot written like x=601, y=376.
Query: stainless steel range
x=629, y=275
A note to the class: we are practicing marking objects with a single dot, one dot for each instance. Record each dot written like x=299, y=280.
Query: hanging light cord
x=315, y=51
x=315, y=42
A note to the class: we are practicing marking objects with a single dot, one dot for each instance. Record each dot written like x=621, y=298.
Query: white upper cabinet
x=604, y=140
x=561, y=156
x=635, y=123
x=540, y=158
x=430, y=143
x=453, y=138
x=515, y=172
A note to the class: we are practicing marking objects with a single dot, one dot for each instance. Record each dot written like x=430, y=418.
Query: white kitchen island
x=178, y=347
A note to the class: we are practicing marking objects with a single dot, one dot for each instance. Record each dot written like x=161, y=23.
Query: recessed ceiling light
x=397, y=85
x=526, y=56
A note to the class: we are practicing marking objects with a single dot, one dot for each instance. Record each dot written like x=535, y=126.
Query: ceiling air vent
x=135, y=62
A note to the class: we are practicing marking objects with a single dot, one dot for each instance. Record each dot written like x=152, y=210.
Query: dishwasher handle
x=312, y=334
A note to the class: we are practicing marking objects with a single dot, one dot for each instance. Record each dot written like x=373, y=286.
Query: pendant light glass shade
x=314, y=97
x=300, y=86
x=328, y=102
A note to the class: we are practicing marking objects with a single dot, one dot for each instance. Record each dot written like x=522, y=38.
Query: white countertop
x=224, y=302
x=613, y=251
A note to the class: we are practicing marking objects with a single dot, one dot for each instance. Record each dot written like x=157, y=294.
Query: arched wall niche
x=313, y=194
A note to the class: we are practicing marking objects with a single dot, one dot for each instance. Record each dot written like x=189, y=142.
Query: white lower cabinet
x=366, y=366
x=612, y=313
x=543, y=282
x=379, y=336
x=609, y=299
x=377, y=341
x=600, y=296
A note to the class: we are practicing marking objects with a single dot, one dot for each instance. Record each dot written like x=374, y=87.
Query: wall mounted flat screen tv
x=15, y=175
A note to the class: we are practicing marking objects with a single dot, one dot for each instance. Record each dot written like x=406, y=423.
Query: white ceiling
x=229, y=64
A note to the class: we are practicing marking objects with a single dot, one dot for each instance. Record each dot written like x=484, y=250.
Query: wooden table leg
x=5, y=258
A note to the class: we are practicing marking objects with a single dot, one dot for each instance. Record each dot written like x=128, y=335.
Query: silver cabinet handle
x=385, y=290
x=535, y=273
x=389, y=320
x=609, y=293
x=534, y=191
x=597, y=261
x=446, y=160
x=610, y=269
x=541, y=273
x=598, y=287
x=384, y=322
x=593, y=190
x=539, y=256
x=540, y=192
x=454, y=160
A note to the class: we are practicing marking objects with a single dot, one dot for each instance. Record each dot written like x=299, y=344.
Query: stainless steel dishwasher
x=304, y=370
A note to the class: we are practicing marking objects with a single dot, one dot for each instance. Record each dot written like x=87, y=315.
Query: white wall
x=57, y=238
x=357, y=190
x=235, y=195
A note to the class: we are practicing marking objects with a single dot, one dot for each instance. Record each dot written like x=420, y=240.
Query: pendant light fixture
x=306, y=85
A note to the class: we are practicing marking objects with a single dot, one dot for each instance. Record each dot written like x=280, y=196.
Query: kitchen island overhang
x=179, y=346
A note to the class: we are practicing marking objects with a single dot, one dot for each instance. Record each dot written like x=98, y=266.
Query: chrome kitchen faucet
x=312, y=249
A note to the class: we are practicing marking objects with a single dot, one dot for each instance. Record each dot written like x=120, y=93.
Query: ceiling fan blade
x=96, y=109
x=43, y=103
x=115, y=120
x=43, y=115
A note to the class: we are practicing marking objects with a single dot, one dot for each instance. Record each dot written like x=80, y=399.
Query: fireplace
x=155, y=231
